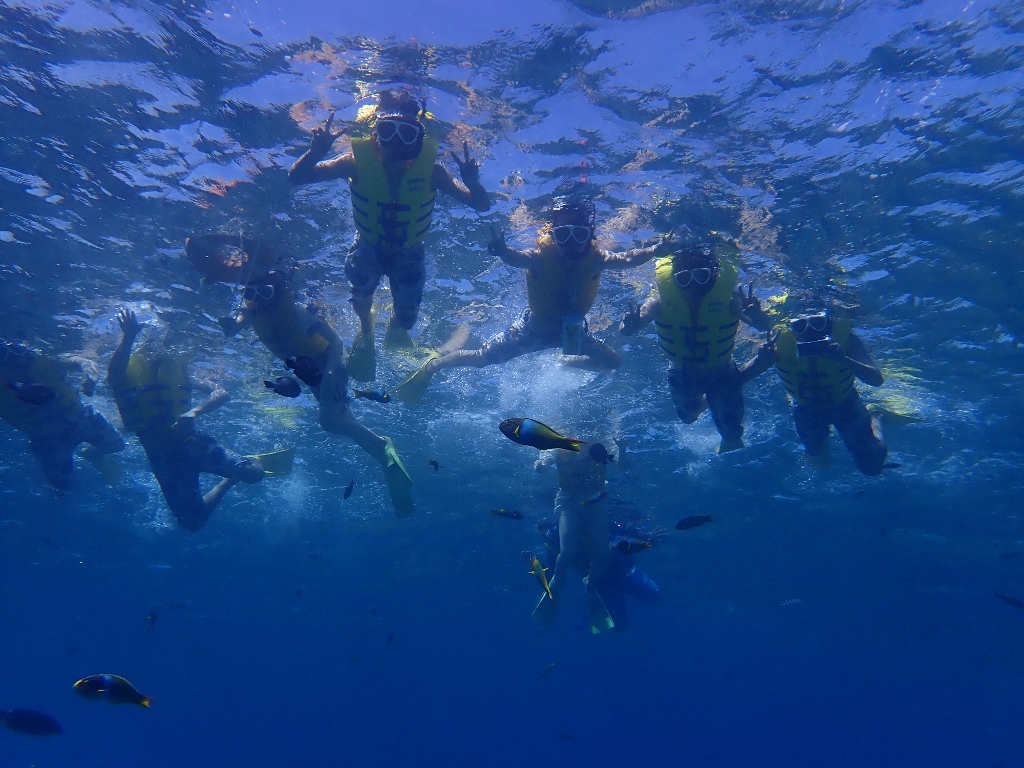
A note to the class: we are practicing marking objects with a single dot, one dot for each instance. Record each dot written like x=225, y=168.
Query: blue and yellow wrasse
x=538, y=435
x=112, y=688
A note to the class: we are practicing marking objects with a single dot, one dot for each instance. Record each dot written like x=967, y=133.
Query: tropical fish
x=32, y=393
x=693, y=521
x=511, y=514
x=306, y=369
x=538, y=435
x=30, y=722
x=377, y=395
x=255, y=31
x=285, y=386
x=600, y=454
x=632, y=546
x=595, y=498
x=434, y=465
x=348, y=489
x=538, y=570
x=88, y=386
x=548, y=668
x=152, y=619
x=112, y=688
x=1009, y=599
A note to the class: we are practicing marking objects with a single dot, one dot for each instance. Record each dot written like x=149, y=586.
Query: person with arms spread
x=394, y=177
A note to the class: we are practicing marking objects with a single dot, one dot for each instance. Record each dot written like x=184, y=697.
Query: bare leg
x=363, y=309
x=214, y=496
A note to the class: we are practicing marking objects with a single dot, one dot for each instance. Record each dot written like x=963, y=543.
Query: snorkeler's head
x=398, y=128
x=572, y=224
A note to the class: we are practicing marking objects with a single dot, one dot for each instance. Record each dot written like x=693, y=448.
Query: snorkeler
x=582, y=532
x=36, y=399
x=563, y=274
x=818, y=358
x=395, y=177
x=154, y=396
x=697, y=310
x=309, y=345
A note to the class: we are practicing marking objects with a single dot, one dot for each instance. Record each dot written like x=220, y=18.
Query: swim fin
x=105, y=464
x=398, y=337
x=398, y=480
x=546, y=611
x=276, y=463
x=597, y=613
x=411, y=390
x=362, y=359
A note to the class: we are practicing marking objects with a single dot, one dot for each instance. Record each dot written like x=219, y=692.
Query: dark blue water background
x=869, y=149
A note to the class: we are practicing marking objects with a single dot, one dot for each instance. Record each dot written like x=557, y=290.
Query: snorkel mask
x=572, y=225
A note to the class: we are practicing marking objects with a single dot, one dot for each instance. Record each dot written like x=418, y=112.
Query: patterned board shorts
x=365, y=265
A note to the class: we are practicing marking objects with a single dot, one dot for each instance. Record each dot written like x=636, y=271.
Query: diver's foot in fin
x=398, y=480
x=597, y=613
x=362, y=359
x=398, y=337
x=730, y=444
x=411, y=390
x=276, y=463
x=546, y=611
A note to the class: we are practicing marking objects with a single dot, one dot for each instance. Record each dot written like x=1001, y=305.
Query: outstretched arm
x=469, y=191
x=312, y=166
x=130, y=328
x=765, y=358
x=512, y=257
x=637, y=318
x=749, y=308
x=638, y=256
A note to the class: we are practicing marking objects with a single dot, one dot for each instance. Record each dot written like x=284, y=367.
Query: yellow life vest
x=156, y=391
x=58, y=417
x=393, y=220
x=700, y=335
x=815, y=380
x=280, y=331
x=561, y=286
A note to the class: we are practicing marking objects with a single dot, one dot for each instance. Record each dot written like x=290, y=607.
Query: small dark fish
x=595, y=498
x=376, y=395
x=88, y=386
x=112, y=688
x=434, y=465
x=511, y=514
x=1009, y=599
x=285, y=386
x=30, y=722
x=1009, y=555
x=152, y=619
x=255, y=31
x=389, y=641
x=538, y=435
x=32, y=393
x=548, y=668
x=600, y=454
x=632, y=546
x=306, y=369
x=348, y=489
x=891, y=465
x=693, y=521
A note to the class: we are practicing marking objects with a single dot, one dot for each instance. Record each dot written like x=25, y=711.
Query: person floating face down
x=818, y=357
x=36, y=399
x=697, y=310
x=296, y=333
x=394, y=177
x=154, y=397
x=563, y=275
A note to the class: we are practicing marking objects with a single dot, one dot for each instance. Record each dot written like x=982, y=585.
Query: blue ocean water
x=869, y=150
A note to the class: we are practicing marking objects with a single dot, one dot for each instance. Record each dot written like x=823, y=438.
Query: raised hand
x=130, y=325
x=497, y=245
x=469, y=168
x=322, y=138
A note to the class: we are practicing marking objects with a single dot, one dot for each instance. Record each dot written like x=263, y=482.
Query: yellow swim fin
x=398, y=480
x=597, y=612
x=546, y=611
x=411, y=390
x=362, y=359
x=276, y=462
x=398, y=337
